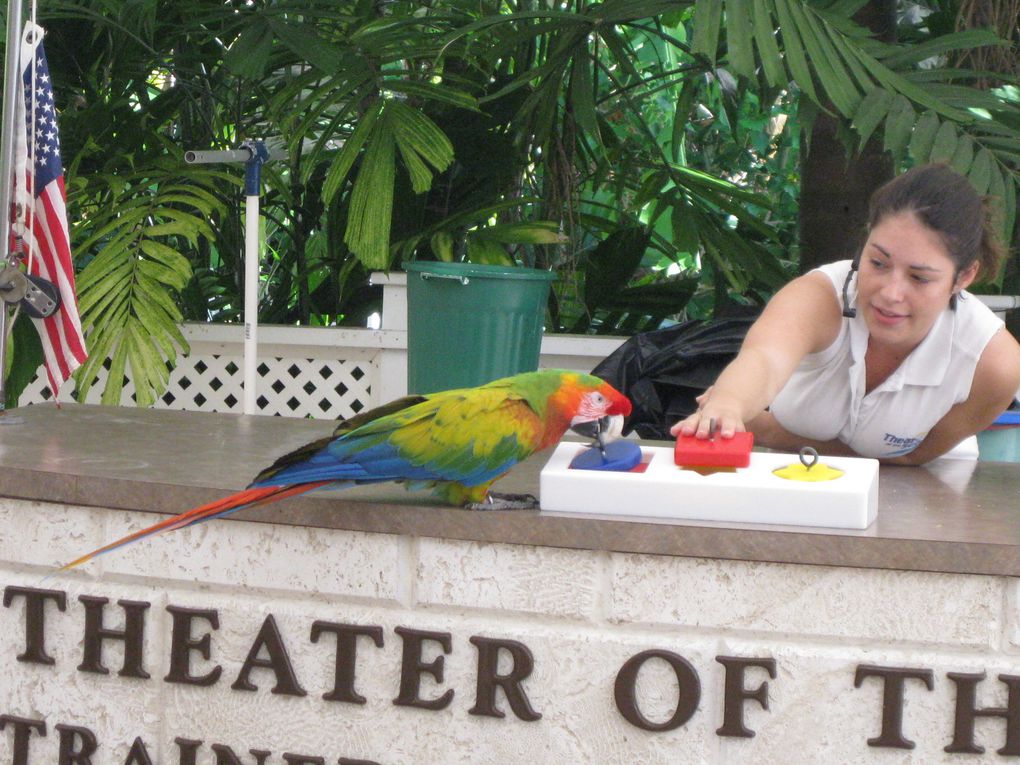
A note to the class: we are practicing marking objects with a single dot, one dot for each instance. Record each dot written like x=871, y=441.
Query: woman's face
x=906, y=280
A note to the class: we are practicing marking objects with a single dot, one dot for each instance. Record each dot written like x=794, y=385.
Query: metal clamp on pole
x=38, y=297
x=13, y=284
x=258, y=155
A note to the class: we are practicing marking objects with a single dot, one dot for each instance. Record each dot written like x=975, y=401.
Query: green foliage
x=136, y=224
x=647, y=150
x=24, y=357
x=388, y=127
x=926, y=113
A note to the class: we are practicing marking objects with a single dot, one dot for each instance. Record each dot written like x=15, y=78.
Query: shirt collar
x=927, y=364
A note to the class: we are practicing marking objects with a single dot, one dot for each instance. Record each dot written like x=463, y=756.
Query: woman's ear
x=966, y=276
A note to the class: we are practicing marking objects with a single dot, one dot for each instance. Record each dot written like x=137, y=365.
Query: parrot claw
x=494, y=501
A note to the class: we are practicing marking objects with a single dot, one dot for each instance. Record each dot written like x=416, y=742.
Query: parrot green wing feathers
x=468, y=434
x=363, y=418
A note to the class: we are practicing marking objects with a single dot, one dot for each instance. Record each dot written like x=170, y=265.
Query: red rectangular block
x=714, y=452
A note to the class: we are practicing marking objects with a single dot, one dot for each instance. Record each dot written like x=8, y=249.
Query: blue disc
x=620, y=456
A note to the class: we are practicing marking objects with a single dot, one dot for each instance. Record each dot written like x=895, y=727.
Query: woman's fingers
x=711, y=419
x=705, y=424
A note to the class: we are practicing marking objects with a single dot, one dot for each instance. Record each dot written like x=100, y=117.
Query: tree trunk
x=835, y=189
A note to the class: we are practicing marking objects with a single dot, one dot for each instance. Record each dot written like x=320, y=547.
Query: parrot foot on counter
x=496, y=501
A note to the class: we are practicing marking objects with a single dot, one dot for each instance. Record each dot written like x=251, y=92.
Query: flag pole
x=12, y=71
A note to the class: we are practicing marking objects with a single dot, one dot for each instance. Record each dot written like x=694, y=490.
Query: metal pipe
x=251, y=300
x=1000, y=303
x=208, y=157
x=234, y=155
x=12, y=71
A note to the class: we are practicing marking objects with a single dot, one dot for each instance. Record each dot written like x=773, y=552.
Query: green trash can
x=469, y=323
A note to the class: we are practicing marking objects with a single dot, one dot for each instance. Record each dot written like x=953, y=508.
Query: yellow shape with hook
x=808, y=469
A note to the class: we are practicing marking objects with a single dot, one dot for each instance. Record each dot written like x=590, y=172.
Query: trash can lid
x=477, y=270
x=1011, y=417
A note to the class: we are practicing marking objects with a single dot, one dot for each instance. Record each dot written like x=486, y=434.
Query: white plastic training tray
x=749, y=495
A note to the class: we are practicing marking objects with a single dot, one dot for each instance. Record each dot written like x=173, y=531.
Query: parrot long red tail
x=248, y=498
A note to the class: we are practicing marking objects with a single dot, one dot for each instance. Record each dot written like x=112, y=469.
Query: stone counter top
x=952, y=516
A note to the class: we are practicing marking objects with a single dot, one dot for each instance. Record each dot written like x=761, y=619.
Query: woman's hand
x=715, y=415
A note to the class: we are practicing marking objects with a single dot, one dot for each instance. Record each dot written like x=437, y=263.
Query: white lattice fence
x=293, y=387
x=290, y=386
x=318, y=372
x=311, y=385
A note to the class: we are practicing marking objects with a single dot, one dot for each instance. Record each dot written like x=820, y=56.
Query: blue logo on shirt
x=903, y=444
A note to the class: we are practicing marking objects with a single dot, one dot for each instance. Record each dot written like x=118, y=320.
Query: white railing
x=318, y=372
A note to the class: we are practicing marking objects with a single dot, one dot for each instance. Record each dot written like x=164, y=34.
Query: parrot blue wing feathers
x=430, y=440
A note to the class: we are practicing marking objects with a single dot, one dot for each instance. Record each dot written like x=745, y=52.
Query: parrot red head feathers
x=580, y=399
x=583, y=398
x=603, y=401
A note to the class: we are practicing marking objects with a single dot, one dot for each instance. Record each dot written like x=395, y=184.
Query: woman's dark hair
x=945, y=202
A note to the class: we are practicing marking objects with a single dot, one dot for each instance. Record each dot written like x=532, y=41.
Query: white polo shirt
x=825, y=398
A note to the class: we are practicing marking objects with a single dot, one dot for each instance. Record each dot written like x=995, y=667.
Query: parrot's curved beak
x=603, y=430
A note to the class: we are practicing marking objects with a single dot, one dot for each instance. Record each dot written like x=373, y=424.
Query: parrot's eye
x=598, y=399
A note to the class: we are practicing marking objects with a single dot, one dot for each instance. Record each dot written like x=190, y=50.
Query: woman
x=886, y=356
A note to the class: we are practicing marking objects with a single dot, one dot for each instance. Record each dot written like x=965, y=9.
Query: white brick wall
x=581, y=615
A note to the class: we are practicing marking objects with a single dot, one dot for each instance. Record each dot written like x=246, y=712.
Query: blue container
x=1002, y=443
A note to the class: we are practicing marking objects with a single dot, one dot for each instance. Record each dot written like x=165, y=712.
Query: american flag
x=40, y=215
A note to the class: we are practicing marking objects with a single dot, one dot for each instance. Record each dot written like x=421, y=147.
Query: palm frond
x=133, y=231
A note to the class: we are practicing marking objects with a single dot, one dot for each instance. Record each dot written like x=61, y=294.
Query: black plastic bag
x=662, y=372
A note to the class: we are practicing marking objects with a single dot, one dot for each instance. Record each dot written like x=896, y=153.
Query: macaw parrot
x=457, y=442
